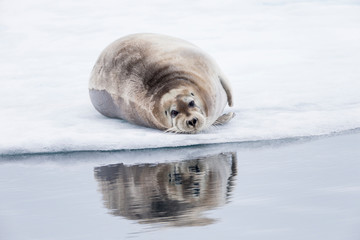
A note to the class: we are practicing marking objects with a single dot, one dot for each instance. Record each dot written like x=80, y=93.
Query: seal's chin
x=190, y=125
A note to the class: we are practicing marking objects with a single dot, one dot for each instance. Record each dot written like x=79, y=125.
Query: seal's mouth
x=190, y=125
x=179, y=131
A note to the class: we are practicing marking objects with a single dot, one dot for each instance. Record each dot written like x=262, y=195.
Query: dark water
x=301, y=189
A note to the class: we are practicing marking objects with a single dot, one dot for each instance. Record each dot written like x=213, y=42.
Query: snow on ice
x=293, y=65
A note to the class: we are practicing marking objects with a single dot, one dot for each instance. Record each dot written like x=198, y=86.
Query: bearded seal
x=160, y=82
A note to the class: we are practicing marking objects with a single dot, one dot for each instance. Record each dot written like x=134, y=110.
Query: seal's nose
x=192, y=122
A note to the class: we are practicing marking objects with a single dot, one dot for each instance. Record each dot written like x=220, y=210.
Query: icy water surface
x=288, y=189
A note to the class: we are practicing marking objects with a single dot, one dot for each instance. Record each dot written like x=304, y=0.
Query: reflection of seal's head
x=175, y=193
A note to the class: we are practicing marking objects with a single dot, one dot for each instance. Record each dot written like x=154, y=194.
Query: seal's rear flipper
x=227, y=88
x=224, y=118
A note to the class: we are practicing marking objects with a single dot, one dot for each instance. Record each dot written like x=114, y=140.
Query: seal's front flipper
x=224, y=118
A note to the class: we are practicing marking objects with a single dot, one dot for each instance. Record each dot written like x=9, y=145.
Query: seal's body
x=160, y=82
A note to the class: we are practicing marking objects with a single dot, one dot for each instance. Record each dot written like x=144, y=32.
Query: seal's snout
x=192, y=122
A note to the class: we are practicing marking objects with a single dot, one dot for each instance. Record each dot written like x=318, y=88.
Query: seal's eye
x=191, y=104
x=192, y=94
x=174, y=113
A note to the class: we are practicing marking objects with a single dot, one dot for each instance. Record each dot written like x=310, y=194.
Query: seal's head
x=182, y=111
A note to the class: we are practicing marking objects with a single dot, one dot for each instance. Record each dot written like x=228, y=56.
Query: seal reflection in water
x=172, y=193
x=160, y=82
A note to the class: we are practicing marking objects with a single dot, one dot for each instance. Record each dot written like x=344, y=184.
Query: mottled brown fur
x=137, y=71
